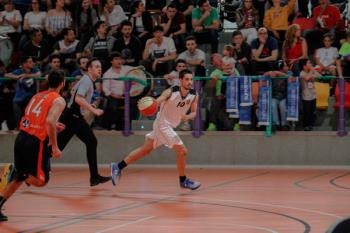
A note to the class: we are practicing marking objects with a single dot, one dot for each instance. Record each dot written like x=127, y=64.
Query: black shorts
x=27, y=153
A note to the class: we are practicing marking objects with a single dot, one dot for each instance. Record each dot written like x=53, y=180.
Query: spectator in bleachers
x=326, y=57
x=78, y=73
x=128, y=45
x=114, y=91
x=25, y=87
x=101, y=45
x=54, y=63
x=160, y=53
x=10, y=22
x=56, y=20
x=113, y=14
x=173, y=77
x=308, y=91
x=247, y=19
x=142, y=22
x=67, y=48
x=174, y=25
x=127, y=5
x=264, y=52
x=206, y=23
x=294, y=48
x=243, y=53
x=228, y=62
x=327, y=18
x=37, y=48
x=194, y=57
x=276, y=18
x=185, y=7
x=85, y=19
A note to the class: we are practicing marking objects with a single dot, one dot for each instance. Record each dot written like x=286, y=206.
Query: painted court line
x=126, y=224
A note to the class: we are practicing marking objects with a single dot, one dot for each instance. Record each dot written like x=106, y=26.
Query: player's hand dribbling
x=56, y=152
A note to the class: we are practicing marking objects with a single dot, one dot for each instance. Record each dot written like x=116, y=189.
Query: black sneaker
x=3, y=217
x=99, y=180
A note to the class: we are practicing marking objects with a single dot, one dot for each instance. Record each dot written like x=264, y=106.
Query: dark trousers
x=76, y=125
x=309, y=108
x=210, y=36
x=262, y=66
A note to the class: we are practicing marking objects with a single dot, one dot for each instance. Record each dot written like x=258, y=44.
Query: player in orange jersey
x=36, y=141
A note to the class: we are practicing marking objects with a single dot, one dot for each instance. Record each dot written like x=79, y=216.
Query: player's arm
x=85, y=105
x=51, y=121
x=193, y=113
x=164, y=96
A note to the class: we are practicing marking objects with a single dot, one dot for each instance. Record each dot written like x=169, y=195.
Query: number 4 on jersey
x=36, y=110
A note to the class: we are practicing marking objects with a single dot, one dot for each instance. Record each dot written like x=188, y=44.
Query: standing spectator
x=142, y=22
x=25, y=87
x=68, y=50
x=113, y=15
x=159, y=53
x=247, y=19
x=294, y=48
x=101, y=45
x=128, y=45
x=308, y=75
x=276, y=18
x=56, y=20
x=194, y=57
x=264, y=52
x=85, y=19
x=174, y=25
x=243, y=53
x=326, y=18
x=206, y=23
x=10, y=22
x=37, y=48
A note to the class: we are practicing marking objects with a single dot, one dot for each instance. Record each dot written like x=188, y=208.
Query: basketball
x=148, y=106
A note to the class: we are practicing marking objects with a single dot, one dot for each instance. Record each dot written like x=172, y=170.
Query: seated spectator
x=85, y=19
x=34, y=18
x=173, y=77
x=206, y=23
x=37, y=48
x=294, y=48
x=101, y=45
x=160, y=53
x=25, y=87
x=10, y=22
x=276, y=18
x=326, y=57
x=279, y=95
x=142, y=22
x=174, y=25
x=247, y=19
x=308, y=91
x=56, y=20
x=78, y=73
x=113, y=14
x=228, y=62
x=264, y=52
x=243, y=53
x=68, y=50
x=194, y=57
x=128, y=45
x=326, y=18
x=185, y=7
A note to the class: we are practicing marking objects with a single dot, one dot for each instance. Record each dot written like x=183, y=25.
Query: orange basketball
x=148, y=106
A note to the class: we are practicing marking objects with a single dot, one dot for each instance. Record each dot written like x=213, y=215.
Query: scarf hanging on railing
x=245, y=90
x=264, y=101
x=293, y=100
x=245, y=114
x=232, y=98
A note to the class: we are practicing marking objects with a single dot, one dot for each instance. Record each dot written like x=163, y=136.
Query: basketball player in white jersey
x=174, y=104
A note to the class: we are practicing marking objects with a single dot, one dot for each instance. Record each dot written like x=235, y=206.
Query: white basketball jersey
x=172, y=110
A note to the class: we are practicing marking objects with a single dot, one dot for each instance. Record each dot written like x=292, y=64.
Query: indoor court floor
x=242, y=200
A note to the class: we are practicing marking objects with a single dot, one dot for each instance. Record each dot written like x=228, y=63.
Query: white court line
x=126, y=224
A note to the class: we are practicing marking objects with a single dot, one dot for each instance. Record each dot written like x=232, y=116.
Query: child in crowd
x=228, y=62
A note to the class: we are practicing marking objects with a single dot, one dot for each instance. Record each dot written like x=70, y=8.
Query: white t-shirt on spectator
x=166, y=47
x=188, y=57
x=36, y=20
x=116, y=87
x=327, y=56
x=7, y=28
x=176, y=80
x=116, y=16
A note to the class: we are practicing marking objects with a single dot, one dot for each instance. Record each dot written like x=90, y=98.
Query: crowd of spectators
x=165, y=37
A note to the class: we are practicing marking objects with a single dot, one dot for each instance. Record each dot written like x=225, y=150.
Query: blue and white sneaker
x=115, y=173
x=190, y=184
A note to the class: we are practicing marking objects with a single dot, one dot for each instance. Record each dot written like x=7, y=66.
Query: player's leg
x=181, y=154
x=8, y=192
x=133, y=156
